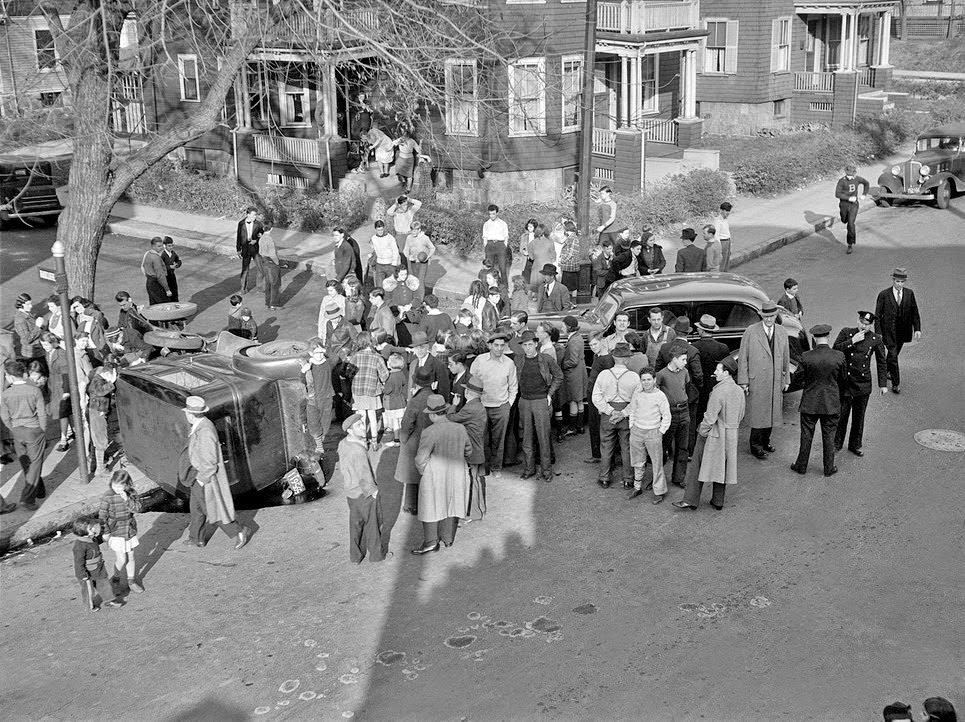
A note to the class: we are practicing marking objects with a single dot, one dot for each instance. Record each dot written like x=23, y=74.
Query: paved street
x=806, y=598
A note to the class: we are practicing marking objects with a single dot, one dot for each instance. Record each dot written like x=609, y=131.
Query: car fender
x=889, y=183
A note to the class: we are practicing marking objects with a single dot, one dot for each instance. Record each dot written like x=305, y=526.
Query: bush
x=885, y=133
x=310, y=211
x=170, y=184
x=681, y=198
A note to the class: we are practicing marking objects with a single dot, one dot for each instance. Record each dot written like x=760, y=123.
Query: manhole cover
x=941, y=439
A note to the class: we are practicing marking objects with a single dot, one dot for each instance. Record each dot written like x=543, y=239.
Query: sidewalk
x=759, y=226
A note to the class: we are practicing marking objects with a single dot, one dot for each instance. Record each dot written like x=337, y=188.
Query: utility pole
x=586, y=129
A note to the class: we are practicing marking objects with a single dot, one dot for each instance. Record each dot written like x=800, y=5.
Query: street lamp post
x=80, y=438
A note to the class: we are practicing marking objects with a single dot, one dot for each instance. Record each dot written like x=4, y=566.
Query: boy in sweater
x=649, y=419
x=673, y=380
x=89, y=564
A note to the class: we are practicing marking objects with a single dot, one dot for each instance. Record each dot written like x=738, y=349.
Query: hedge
x=310, y=211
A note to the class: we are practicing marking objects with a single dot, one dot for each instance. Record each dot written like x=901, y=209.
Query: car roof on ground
x=951, y=129
x=691, y=286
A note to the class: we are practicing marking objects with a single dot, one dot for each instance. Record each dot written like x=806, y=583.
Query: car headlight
x=925, y=170
x=896, y=170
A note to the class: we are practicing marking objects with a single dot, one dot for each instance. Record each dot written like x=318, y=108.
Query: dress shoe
x=29, y=505
x=833, y=471
x=634, y=494
x=627, y=484
x=7, y=508
x=798, y=469
x=192, y=543
x=112, y=605
x=769, y=449
x=446, y=544
x=658, y=499
x=718, y=507
x=425, y=549
x=896, y=389
x=838, y=447
x=683, y=505
x=548, y=477
x=243, y=537
x=856, y=452
x=757, y=454
x=592, y=460
x=850, y=249
x=527, y=475
x=603, y=483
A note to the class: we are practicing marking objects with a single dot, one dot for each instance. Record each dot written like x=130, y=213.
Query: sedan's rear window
x=184, y=379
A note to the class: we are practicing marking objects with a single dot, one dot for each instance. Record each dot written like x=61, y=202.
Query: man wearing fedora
x=552, y=296
x=897, y=321
x=497, y=372
x=444, y=449
x=331, y=317
x=202, y=469
x=822, y=375
x=472, y=415
x=858, y=345
x=612, y=392
x=711, y=352
x=846, y=191
x=419, y=356
x=361, y=493
x=539, y=376
x=764, y=372
x=690, y=258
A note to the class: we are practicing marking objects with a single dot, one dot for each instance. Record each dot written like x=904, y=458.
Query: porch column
x=884, y=56
x=689, y=76
x=632, y=117
x=624, y=93
x=844, y=57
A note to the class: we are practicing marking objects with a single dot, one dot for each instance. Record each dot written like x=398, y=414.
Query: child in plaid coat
x=367, y=384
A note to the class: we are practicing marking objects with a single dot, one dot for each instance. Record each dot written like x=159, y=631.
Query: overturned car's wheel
x=274, y=360
x=170, y=311
x=175, y=340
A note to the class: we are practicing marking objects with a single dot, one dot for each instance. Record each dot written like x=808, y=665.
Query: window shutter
x=775, y=45
x=701, y=46
x=730, y=59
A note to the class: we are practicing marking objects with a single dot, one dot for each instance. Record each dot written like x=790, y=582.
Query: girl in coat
x=574, y=374
x=58, y=388
x=27, y=328
x=117, y=510
x=368, y=381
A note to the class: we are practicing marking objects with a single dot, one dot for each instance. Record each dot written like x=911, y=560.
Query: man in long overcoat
x=898, y=322
x=716, y=450
x=211, y=501
x=444, y=488
x=764, y=372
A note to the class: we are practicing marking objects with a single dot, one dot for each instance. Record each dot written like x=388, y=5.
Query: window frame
x=182, y=77
x=515, y=116
x=286, y=106
x=564, y=61
x=651, y=106
x=730, y=47
x=781, y=51
x=783, y=115
x=471, y=111
x=53, y=47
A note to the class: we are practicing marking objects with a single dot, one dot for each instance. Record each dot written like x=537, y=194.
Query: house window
x=572, y=86
x=462, y=110
x=648, y=82
x=780, y=109
x=295, y=106
x=864, y=41
x=194, y=158
x=188, y=78
x=260, y=109
x=527, y=97
x=51, y=99
x=720, y=49
x=780, y=45
x=287, y=181
x=47, y=59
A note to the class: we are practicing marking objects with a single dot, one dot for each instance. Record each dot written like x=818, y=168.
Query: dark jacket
x=620, y=261
x=241, y=238
x=846, y=187
x=345, y=261
x=822, y=375
x=659, y=262
x=691, y=259
x=712, y=352
x=438, y=369
x=554, y=302
x=473, y=416
x=549, y=369
x=858, y=359
x=318, y=388
x=897, y=325
x=88, y=560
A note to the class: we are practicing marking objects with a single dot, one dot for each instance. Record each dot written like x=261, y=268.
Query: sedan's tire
x=170, y=311
x=275, y=360
x=943, y=194
x=174, y=339
x=883, y=202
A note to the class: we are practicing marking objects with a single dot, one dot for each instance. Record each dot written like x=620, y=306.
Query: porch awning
x=835, y=7
x=650, y=43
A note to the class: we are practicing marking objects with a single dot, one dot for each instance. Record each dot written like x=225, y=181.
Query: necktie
x=899, y=298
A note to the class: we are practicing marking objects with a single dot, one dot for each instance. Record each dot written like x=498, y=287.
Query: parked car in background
x=933, y=173
x=27, y=191
x=735, y=301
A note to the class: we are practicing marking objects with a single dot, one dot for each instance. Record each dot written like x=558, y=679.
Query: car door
x=733, y=318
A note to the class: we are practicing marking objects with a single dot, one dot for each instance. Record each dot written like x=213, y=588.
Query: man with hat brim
x=551, y=296
x=764, y=372
x=205, y=475
x=858, y=344
x=711, y=352
x=612, y=392
x=497, y=372
x=361, y=493
x=715, y=455
x=690, y=258
x=846, y=191
x=472, y=415
x=538, y=377
x=331, y=317
x=694, y=368
x=413, y=423
x=444, y=449
x=898, y=321
x=420, y=357
x=822, y=374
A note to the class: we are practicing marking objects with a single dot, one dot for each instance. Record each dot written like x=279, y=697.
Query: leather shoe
x=856, y=452
x=718, y=507
x=896, y=389
x=527, y=475
x=426, y=549
x=29, y=505
x=242, y=538
x=658, y=499
x=634, y=494
x=548, y=477
x=683, y=505
x=758, y=454
x=603, y=483
x=799, y=470
x=833, y=471
x=769, y=449
x=592, y=460
x=7, y=508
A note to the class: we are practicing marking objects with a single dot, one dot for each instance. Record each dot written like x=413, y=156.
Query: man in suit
x=173, y=262
x=246, y=244
x=553, y=296
x=857, y=345
x=897, y=322
x=346, y=261
x=822, y=374
x=764, y=373
x=690, y=259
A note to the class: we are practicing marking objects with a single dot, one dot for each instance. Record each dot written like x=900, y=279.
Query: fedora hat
x=474, y=384
x=900, y=273
x=527, y=336
x=769, y=309
x=435, y=404
x=622, y=350
x=548, y=269
x=729, y=363
x=419, y=338
x=422, y=376
x=195, y=405
x=682, y=325
x=708, y=323
x=332, y=310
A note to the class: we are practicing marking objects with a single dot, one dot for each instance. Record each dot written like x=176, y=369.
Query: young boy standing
x=361, y=493
x=89, y=564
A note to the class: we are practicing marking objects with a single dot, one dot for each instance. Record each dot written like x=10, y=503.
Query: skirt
x=122, y=546
x=365, y=403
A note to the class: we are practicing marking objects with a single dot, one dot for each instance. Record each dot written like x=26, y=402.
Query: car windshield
x=606, y=308
x=944, y=143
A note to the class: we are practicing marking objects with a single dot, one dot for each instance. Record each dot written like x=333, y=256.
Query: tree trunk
x=904, y=20
x=81, y=226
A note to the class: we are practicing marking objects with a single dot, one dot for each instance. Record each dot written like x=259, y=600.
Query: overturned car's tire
x=175, y=340
x=170, y=311
x=274, y=360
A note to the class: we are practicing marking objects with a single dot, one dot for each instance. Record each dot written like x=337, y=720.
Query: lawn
x=947, y=56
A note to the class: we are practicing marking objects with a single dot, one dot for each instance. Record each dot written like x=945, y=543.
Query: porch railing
x=305, y=29
x=282, y=149
x=643, y=16
x=604, y=141
x=866, y=77
x=814, y=82
x=659, y=131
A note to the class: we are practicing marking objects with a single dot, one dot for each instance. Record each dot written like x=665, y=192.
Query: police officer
x=858, y=344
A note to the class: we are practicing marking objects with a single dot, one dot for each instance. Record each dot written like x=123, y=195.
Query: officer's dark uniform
x=857, y=389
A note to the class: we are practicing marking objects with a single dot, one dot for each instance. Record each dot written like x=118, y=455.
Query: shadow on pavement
x=166, y=530
x=210, y=710
x=297, y=282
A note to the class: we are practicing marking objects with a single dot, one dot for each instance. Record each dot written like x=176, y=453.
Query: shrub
x=310, y=211
x=885, y=133
x=681, y=198
x=171, y=185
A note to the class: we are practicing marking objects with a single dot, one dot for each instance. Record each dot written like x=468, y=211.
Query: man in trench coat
x=211, y=501
x=716, y=451
x=444, y=488
x=764, y=372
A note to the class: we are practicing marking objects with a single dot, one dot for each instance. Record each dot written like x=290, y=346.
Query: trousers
x=498, y=417
x=101, y=586
x=249, y=272
x=29, y=445
x=694, y=486
x=497, y=254
x=676, y=442
x=272, y=273
x=829, y=423
x=610, y=435
x=853, y=407
x=444, y=530
x=199, y=517
x=535, y=416
x=365, y=529
x=155, y=291
x=849, y=214
x=725, y=245
x=892, y=362
x=647, y=443
x=760, y=438
x=593, y=422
